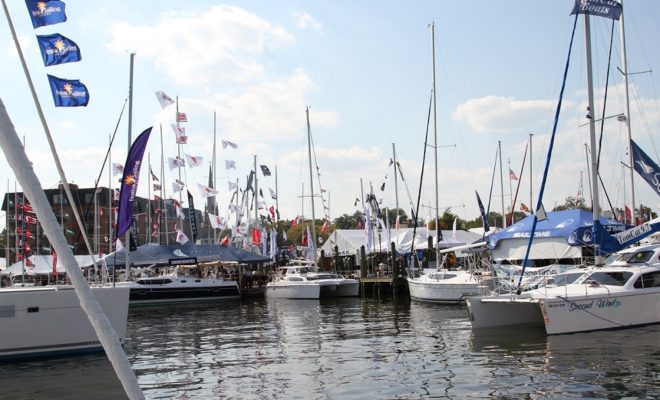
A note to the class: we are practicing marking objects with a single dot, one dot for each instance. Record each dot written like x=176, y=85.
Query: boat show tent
x=349, y=241
x=561, y=236
x=42, y=265
x=160, y=255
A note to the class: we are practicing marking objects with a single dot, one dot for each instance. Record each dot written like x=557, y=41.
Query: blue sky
x=365, y=70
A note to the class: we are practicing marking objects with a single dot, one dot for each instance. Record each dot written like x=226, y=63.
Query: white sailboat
x=441, y=285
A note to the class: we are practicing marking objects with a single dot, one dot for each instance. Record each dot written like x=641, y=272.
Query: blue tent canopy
x=573, y=225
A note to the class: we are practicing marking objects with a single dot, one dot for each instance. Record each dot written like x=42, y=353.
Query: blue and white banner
x=68, y=92
x=646, y=167
x=46, y=12
x=599, y=8
x=484, y=218
x=58, y=49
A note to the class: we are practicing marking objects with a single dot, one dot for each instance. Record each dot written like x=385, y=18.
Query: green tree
x=646, y=213
x=572, y=203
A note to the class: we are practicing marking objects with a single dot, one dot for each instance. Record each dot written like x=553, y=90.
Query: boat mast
x=624, y=71
x=311, y=185
x=435, y=153
x=499, y=150
x=396, y=188
x=127, y=235
x=598, y=259
x=531, y=202
x=215, y=175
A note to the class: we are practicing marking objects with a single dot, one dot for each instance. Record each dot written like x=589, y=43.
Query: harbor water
x=347, y=349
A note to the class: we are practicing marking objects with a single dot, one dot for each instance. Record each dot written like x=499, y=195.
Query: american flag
x=181, y=117
x=512, y=175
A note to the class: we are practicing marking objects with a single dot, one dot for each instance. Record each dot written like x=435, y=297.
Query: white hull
x=293, y=291
x=168, y=289
x=491, y=312
x=48, y=321
x=339, y=287
x=450, y=287
x=608, y=311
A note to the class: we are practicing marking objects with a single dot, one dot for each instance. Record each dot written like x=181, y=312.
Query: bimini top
x=573, y=225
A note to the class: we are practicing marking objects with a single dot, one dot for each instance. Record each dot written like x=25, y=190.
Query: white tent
x=42, y=265
x=349, y=241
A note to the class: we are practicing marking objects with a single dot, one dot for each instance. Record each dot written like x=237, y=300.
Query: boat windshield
x=612, y=278
x=641, y=257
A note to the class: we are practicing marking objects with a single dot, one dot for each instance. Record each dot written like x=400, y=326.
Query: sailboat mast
x=127, y=236
x=256, y=194
x=624, y=71
x=531, y=203
x=215, y=176
x=396, y=184
x=311, y=184
x=499, y=150
x=435, y=154
x=111, y=196
x=592, y=139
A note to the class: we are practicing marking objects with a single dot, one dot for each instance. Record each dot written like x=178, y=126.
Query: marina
x=160, y=277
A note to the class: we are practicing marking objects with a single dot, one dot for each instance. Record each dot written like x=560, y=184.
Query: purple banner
x=129, y=182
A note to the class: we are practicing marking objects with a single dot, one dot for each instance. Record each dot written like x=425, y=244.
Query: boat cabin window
x=295, y=278
x=7, y=311
x=648, y=280
x=613, y=278
x=641, y=257
x=154, y=281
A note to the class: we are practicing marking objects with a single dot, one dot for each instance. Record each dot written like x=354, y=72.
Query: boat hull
x=340, y=288
x=293, y=291
x=608, y=311
x=48, y=321
x=183, y=290
x=451, y=290
x=492, y=312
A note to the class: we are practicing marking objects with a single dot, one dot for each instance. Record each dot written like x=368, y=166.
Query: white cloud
x=496, y=114
x=220, y=44
x=304, y=20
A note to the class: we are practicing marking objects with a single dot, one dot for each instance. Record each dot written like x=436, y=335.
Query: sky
x=365, y=70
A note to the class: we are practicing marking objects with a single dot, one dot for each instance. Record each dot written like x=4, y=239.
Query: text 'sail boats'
x=48, y=321
x=609, y=297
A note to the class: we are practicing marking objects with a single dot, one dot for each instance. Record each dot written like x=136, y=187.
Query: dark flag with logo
x=600, y=8
x=129, y=182
x=483, y=213
x=646, y=167
x=58, y=49
x=68, y=92
x=265, y=170
x=193, y=217
x=46, y=12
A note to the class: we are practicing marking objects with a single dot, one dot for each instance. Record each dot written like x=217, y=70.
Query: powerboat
x=45, y=321
x=291, y=282
x=335, y=285
x=444, y=286
x=608, y=297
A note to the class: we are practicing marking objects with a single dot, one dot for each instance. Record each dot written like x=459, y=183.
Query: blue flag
x=68, y=92
x=46, y=12
x=483, y=213
x=129, y=182
x=646, y=167
x=57, y=49
x=193, y=217
x=600, y=8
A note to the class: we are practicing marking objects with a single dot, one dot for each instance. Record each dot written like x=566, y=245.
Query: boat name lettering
x=577, y=306
x=608, y=303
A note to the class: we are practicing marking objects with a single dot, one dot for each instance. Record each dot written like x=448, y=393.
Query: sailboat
x=440, y=284
x=602, y=297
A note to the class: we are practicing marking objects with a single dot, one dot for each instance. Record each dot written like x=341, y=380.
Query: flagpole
x=277, y=210
x=396, y=187
x=7, y=225
x=162, y=190
x=510, y=190
x=110, y=196
x=499, y=147
x=311, y=186
x=148, y=238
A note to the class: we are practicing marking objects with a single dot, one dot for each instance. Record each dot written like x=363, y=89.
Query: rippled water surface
x=347, y=349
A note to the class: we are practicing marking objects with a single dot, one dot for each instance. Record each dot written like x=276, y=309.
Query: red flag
x=305, y=241
x=30, y=220
x=28, y=208
x=29, y=263
x=224, y=241
x=256, y=236
x=324, y=228
x=628, y=214
x=181, y=117
x=54, y=263
x=294, y=222
x=272, y=212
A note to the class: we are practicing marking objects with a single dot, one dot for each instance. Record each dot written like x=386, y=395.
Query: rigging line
x=539, y=203
x=98, y=178
x=515, y=198
x=421, y=177
x=492, y=183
